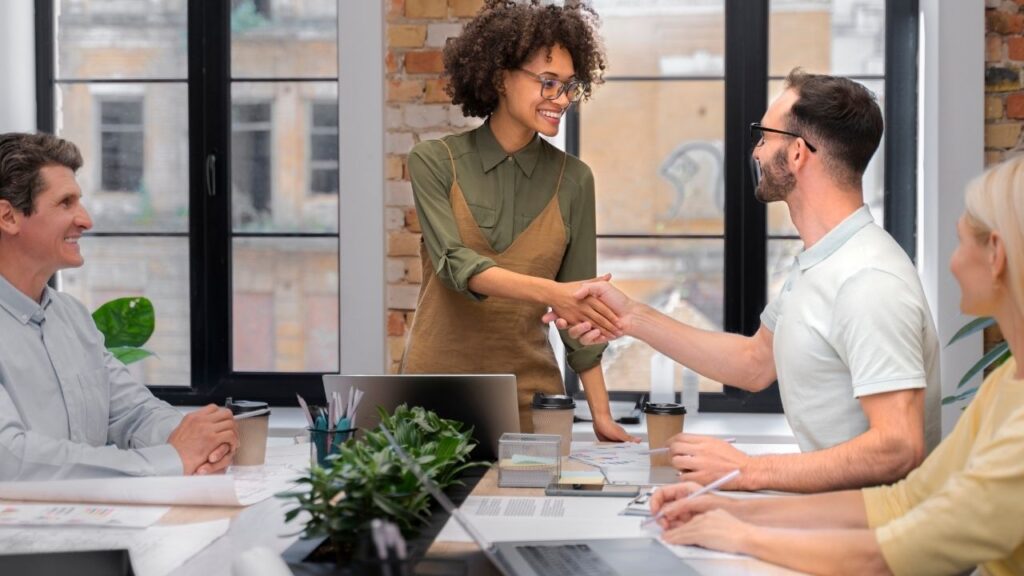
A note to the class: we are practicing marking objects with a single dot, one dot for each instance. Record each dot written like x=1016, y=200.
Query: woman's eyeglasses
x=552, y=88
x=757, y=135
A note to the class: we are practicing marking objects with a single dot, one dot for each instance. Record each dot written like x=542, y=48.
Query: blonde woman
x=964, y=507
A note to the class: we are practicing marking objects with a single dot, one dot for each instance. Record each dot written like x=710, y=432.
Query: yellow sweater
x=965, y=505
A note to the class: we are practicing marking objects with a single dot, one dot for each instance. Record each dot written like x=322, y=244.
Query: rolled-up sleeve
x=580, y=263
x=431, y=173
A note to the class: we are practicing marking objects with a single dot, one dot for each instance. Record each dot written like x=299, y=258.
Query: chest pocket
x=95, y=411
x=485, y=217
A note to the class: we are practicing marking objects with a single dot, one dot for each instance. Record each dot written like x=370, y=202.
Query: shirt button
x=509, y=158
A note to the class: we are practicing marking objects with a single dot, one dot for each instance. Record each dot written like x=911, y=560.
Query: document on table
x=503, y=519
x=510, y=518
x=155, y=551
x=244, y=485
x=72, y=515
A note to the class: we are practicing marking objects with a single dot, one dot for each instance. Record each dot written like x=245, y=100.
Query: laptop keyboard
x=576, y=559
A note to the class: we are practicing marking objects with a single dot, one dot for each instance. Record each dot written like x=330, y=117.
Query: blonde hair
x=994, y=202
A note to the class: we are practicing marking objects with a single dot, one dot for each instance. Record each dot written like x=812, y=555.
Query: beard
x=777, y=180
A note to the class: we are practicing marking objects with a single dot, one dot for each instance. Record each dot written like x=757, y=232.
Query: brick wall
x=1004, y=90
x=417, y=109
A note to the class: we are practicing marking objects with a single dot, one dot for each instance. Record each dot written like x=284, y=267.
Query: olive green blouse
x=505, y=192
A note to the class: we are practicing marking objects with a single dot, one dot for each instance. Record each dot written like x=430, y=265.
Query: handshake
x=594, y=311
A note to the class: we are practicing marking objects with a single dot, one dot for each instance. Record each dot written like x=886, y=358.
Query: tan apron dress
x=454, y=334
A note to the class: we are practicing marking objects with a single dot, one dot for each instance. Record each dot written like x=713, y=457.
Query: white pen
x=724, y=479
x=245, y=415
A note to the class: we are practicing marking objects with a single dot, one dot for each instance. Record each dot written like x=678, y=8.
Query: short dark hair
x=22, y=157
x=504, y=34
x=841, y=114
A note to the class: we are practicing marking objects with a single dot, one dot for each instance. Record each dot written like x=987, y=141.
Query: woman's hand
x=676, y=507
x=567, y=305
x=607, y=430
x=714, y=530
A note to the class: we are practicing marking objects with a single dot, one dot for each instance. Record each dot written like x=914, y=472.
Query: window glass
x=134, y=143
x=121, y=145
x=656, y=152
x=117, y=39
x=840, y=37
x=292, y=39
x=663, y=37
x=284, y=173
x=323, y=164
x=285, y=304
x=680, y=278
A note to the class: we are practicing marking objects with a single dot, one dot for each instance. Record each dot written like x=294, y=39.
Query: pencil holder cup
x=529, y=460
x=323, y=443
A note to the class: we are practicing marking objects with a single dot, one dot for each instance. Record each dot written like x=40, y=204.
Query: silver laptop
x=487, y=402
x=611, y=557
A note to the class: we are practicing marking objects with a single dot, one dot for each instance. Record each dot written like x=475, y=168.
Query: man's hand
x=607, y=430
x=205, y=440
x=587, y=332
x=573, y=309
x=704, y=459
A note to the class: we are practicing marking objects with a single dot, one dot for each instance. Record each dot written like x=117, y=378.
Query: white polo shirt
x=851, y=321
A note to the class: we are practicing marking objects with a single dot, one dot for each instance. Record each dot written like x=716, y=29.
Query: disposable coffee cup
x=552, y=414
x=253, y=421
x=664, y=420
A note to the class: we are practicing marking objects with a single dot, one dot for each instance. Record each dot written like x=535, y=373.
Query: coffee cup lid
x=669, y=408
x=243, y=406
x=553, y=401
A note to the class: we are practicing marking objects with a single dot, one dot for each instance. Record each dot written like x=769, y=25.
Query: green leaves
x=996, y=356
x=376, y=483
x=126, y=324
x=976, y=325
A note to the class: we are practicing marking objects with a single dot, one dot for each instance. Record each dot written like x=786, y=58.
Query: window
x=251, y=162
x=323, y=163
x=666, y=137
x=202, y=110
x=121, y=145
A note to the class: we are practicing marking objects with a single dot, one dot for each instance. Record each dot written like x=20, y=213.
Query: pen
x=652, y=521
x=245, y=415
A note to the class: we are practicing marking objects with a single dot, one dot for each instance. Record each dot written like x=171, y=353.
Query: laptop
x=487, y=402
x=611, y=557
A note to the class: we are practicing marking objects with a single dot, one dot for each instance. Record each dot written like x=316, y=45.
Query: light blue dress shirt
x=68, y=408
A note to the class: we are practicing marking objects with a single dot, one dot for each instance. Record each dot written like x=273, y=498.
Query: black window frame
x=746, y=235
x=210, y=230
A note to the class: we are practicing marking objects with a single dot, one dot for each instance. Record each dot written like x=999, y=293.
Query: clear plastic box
x=529, y=460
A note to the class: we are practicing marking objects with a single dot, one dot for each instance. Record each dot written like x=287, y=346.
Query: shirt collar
x=835, y=238
x=492, y=154
x=23, y=308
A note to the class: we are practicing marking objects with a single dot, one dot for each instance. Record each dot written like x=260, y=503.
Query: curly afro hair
x=504, y=34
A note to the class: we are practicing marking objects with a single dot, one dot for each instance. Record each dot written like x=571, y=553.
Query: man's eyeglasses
x=757, y=135
x=552, y=88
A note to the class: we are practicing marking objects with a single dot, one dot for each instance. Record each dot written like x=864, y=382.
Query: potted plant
x=995, y=357
x=126, y=324
x=367, y=480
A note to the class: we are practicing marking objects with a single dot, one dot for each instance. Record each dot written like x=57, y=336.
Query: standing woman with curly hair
x=507, y=218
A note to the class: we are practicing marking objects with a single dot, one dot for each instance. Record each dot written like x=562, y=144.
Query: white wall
x=17, y=67
x=951, y=129
x=361, y=201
